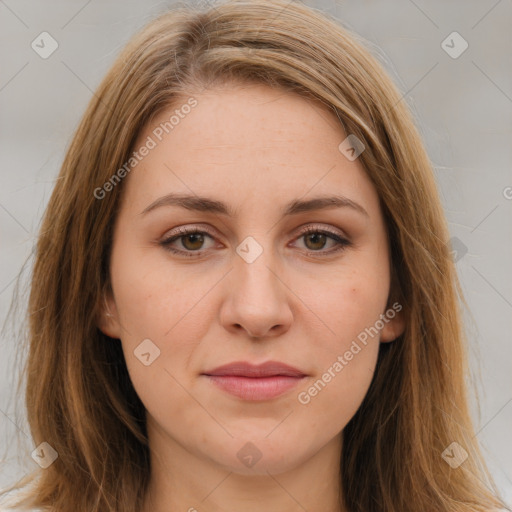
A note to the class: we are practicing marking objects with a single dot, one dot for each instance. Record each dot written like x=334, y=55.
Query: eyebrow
x=206, y=204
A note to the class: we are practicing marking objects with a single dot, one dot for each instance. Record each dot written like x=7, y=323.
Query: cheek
x=350, y=304
x=164, y=316
x=346, y=354
x=153, y=299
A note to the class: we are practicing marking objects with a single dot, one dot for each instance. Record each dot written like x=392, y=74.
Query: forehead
x=244, y=142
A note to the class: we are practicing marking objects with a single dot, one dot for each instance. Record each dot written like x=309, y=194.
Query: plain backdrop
x=461, y=100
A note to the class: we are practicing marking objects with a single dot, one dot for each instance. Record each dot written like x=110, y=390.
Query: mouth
x=255, y=382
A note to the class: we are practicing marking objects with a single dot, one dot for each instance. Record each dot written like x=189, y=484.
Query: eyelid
x=180, y=231
x=313, y=227
x=185, y=230
x=305, y=228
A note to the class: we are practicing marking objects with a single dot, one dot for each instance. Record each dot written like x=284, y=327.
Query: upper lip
x=245, y=369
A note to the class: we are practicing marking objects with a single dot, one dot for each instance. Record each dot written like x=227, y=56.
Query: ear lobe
x=108, y=322
x=393, y=327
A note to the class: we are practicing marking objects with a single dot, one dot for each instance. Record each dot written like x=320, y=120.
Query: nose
x=257, y=299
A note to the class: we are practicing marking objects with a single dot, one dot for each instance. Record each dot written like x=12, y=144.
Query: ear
x=394, y=323
x=394, y=316
x=108, y=321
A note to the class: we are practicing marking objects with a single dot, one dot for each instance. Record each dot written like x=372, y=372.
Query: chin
x=260, y=455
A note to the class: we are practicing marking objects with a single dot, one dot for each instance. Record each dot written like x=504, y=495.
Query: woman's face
x=251, y=287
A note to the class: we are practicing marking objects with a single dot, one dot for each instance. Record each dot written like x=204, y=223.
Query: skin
x=299, y=302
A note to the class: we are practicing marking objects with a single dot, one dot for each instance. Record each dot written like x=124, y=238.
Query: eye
x=316, y=239
x=191, y=239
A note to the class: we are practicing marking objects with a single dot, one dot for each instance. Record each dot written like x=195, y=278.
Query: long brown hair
x=79, y=396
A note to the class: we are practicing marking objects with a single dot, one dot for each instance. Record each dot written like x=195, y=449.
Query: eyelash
x=181, y=232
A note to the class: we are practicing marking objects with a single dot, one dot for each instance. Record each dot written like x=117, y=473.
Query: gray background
x=462, y=106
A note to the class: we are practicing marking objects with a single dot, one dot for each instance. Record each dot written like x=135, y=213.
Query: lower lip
x=255, y=388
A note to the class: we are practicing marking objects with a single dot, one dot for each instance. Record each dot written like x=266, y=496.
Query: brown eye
x=317, y=240
x=192, y=241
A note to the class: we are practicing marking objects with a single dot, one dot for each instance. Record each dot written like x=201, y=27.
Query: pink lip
x=255, y=382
